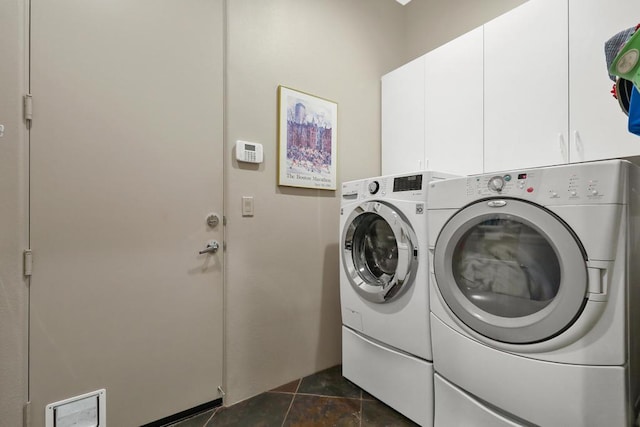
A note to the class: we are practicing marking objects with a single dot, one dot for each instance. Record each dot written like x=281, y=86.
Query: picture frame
x=307, y=140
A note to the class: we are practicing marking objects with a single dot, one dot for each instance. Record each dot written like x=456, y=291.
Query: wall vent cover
x=87, y=410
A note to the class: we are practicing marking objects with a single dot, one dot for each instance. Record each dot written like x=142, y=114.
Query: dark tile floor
x=321, y=399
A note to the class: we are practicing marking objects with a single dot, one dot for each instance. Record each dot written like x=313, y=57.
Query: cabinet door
x=526, y=86
x=598, y=125
x=403, y=119
x=453, y=105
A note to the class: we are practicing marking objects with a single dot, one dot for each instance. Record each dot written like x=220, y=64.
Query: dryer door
x=511, y=270
x=380, y=252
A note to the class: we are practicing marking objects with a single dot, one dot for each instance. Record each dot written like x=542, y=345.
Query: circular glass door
x=511, y=271
x=379, y=252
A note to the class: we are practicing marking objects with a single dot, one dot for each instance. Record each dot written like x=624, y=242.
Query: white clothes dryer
x=534, y=296
x=386, y=344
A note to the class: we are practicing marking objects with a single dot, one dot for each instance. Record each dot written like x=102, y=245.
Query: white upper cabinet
x=453, y=105
x=403, y=119
x=526, y=87
x=529, y=88
x=597, y=124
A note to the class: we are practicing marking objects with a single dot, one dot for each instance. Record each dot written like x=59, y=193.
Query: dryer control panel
x=581, y=183
x=514, y=184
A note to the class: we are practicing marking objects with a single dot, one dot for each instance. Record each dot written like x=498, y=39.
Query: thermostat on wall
x=250, y=152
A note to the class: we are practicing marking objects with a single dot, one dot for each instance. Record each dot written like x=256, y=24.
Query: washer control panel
x=405, y=187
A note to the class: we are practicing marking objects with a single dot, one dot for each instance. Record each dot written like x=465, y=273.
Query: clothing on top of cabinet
x=626, y=63
x=634, y=112
x=621, y=91
x=613, y=46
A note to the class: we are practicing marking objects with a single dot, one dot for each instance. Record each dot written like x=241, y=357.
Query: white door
x=598, y=125
x=526, y=87
x=453, y=105
x=126, y=163
x=403, y=119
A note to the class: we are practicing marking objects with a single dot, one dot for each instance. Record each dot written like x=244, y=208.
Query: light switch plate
x=247, y=205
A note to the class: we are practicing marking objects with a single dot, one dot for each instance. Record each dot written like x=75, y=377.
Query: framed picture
x=307, y=138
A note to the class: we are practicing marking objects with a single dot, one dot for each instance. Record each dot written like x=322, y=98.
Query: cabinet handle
x=578, y=140
x=563, y=147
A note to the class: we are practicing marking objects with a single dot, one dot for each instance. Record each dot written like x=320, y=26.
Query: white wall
x=13, y=215
x=283, y=308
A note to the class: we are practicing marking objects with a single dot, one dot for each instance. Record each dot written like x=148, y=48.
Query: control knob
x=374, y=186
x=496, y=184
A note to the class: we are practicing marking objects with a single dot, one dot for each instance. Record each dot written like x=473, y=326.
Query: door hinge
x=28, y=108
x=28, y=262
x=26, y=415
x=221, y=391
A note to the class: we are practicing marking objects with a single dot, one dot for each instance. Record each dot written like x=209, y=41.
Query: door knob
x=213, y=219
x=212, y=248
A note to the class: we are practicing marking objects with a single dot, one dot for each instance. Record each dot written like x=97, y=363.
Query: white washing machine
x=386, y=344
x=535, y=296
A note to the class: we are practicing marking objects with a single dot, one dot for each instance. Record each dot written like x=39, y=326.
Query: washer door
x=380, y=252
x=511, y=270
